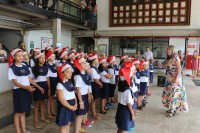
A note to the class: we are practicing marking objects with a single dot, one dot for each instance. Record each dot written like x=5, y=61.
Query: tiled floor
x=152, y=119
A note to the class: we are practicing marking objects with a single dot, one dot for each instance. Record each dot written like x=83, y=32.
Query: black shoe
x=103, y=112
x=139, y=108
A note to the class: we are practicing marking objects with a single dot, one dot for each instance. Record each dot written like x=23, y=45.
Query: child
x=19, y=73
x=151, y=70
x=56, y=52
x=71, y=58
x=26, y=58
x=63, y=57
x=112, y=71
x=66, y=102
x=36, y=51
x=82, y=84
x=105, y=79
x=143, y=82
x=125, y=117
x=41, y=76
x=53, y=77
x=96, y=83
x=122, y=61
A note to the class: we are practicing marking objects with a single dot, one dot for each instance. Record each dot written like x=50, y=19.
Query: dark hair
x=31, y=51
x=57, y=55
x=147, y=47
x=91, y=61
x=36, y=68
x=122, y=61
x=101, y=67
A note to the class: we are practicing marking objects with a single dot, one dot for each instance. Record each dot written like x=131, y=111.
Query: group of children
x=78, y=81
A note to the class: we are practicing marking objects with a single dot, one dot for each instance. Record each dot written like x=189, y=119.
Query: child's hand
x=73, y=108
x=41, y=90
x=133, y=117
x=101, y=86
x=81, y=106
x=30, y=88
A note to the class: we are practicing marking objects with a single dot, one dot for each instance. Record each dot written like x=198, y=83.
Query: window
x=160, y=47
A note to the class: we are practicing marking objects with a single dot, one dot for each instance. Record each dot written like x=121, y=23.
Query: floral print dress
x=174, y=94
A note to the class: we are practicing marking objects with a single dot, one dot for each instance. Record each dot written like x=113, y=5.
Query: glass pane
x=142, y=46
x=116, y=48
x=159, y=49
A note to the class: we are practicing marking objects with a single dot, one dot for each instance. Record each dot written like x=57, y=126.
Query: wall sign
x=149, y=12
x=46, y=42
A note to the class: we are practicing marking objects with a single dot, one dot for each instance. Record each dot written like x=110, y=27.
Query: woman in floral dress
x=174, y=94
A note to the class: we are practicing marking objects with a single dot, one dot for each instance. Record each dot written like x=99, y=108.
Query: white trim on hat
x=36, y=49
x=57, y=49
x=92, y=58
x=15, y=51
x=136, y=62
x=103, y=60
x=65, y=67
x=146, y=63
x=122, y=78
x=111, y=61
x=77, y=54
x=50, y=56
x=63, y=54
x=70, y=55
x=24, y=53
x=38, y=56
x=48, y=47
x=81, y=60
x=123, y=57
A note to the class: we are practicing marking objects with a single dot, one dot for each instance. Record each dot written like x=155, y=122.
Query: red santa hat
x=92, y=56
x=49, y=55
x=70, y=55
x=135, y=61
x=110, y=59
x=36, y=49
x=77, y=54
x=128, y=64
x=65, y=48
x=61, y=69
x=73, y=50
x=62, y=53
x=78, y=62
x=125, y=74
x=123, y=57
x=101, y=60
x=57, y=49
x=39, y=55
x=47, y=48
x=142, y=63
x=12, y=54
x=24, y=53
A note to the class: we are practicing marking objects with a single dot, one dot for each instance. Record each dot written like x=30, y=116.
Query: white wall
x=104, y=41
x=35, y=35
x=179, y=44
x=5, y=84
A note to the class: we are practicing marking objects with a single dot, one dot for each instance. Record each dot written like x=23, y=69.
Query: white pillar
x=56, y=32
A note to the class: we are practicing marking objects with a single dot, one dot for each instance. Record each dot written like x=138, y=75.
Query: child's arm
x=63, y=101
x=36, y=85
x=98, y=83
x=49, y=86
x=29, y=88
x=131, y=111
x=78, y=92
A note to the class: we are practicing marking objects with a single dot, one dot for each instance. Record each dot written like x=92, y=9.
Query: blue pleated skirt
x=96, y=91
x=123, y=118
x=86, y=105
x=65, y=115
x=135, y=102
x=53, y=83
x=143, y=88
x=151, y=77
x=21, y=100
x=105, y=90
x=37, y=95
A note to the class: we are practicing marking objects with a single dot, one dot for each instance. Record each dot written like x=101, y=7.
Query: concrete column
x=56, y=32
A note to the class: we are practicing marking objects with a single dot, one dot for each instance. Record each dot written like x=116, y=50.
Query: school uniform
x=62, y=62
x=143, y=82
x=64, y=114
x=106, y=83
x=111, y=70
x=21, y=97
x=41, y=80
x=135, y=92
x=32, y=61
x=137, y=82
x=151, y=73
x=116, y=74
x=123, y=117
x=83, y=81
x=72, y=65
x=53, y=77
x=96, y=91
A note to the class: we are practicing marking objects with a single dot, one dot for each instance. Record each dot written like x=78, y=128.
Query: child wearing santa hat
x=50, y=58
x=70, y=61
x=112, y=71
x=105, y=79
x=125, y=117
x=57, y=58
x=66, y=99
x=82, y=84
x=96, y=83
x=19, y=73
x=63, y=57
x=36, y=51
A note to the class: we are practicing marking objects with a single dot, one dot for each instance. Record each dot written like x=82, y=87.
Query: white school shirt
x=125, y=97
x=134, y=87
x=24, y=80
x=148, y=55
x=78, y=82
x=51, y=74
x=94, y=74
x=32, y=63
x=103, y=78
x=111, y=71
x=66, y=94
x=41, y=78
